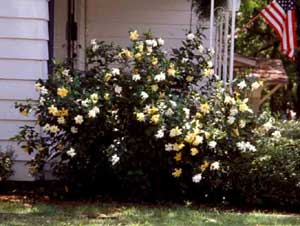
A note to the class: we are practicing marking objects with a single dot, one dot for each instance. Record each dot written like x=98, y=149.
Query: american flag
x=281, y=16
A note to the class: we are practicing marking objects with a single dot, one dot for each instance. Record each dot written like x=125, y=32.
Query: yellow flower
x=189, y=138
x=63, y=112
x=204, y=166
x=127, y=53
x=107, y=77
x=52, y=110
x=198, y=140
x=171, y=71
x=155, y=119
x=198, y=115
x=134, y=35
x=141, y=47
x=152, y=110
x=154, y=61
x=243, y=107
x=94, y=97
x=177, y=172
x=194, y=151
x=154, y=88
x=106, y=96
x=138, y=56
x=140, y=117
x=178, y=147
x=178, y=157
x=189, y=78
x=205, y=108
x=62, y=92
x=207, y=72
x=175, y=132
x=236, y=132
x=24, y=112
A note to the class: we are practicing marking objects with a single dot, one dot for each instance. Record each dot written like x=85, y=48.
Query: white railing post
x=211, y=26
x=225, y=56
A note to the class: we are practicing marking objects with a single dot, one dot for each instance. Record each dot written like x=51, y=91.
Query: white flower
x=175, y=132
x=93, y=113
x=169, y=112
x=242, y=85
x=184, y=60
x=210, y=64
x=229, y=100
x=136, y=77
x=255, y=85
x=160, y=77
x=42, y=101
x=233, y=111
x=71, y=152
x=38, y=86
x=114, y=159
x=74, y=130
x=160, y=134
x=65, y=72
x=154, y=43
x=212, y=144
x=276, y=134
x=118, y=89
x=169, y=147
x=61, y=120
x=161, y=42
x=173, y=103
x=46, y=128
x=115, y=71
x=244, y=146
x=268, y=125
x=186, y=112
x=144, y=95
x=54, y=129
x=95, y=45
x=85, y=103
x=242, y=124
x=215, y=166
x=231, y=120
x=79, y=119
x=200, y=48
x=43, y=90
x=211, y=52
x=198, y=140
x=197, y=178
x=190, y=36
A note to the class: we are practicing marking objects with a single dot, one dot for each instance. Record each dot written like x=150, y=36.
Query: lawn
x=20, y=213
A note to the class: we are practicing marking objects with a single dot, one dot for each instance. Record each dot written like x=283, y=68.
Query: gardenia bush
x=141, y=120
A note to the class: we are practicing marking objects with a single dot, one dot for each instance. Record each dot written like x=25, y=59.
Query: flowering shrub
x=140, y=115
x=6, y=162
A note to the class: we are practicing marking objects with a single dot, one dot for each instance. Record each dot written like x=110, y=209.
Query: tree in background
x=259, y=40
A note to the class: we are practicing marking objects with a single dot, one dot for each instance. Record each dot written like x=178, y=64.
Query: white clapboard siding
x=31, y=69
x=17, y=90
x=9, y=128
x=12, y=48
x=21, y=172
x=13, y=145
x=23, y=59
x=27, y=29
x=8, y=112
x=27, y=9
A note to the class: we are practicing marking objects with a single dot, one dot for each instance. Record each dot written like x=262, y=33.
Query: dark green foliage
x=6, y=162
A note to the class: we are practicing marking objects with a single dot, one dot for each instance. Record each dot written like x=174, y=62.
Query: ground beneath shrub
x=18, y=210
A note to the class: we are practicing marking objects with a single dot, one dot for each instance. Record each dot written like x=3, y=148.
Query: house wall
x=111, y=20
x=23, y=59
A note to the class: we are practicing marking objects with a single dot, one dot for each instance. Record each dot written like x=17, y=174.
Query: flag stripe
x=281, y=16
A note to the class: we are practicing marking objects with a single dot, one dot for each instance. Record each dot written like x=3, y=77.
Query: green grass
x=40, y=214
